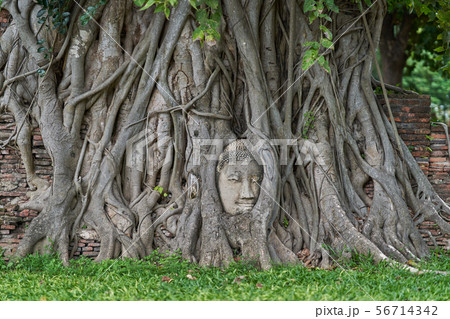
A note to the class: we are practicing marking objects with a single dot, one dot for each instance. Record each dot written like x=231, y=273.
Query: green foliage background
x=421, y=78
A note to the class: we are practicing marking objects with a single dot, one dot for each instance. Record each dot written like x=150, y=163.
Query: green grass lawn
x=157, y=278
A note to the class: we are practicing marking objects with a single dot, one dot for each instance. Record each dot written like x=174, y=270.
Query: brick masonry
x=428, y=144
x=13, y=185
x=4, y=20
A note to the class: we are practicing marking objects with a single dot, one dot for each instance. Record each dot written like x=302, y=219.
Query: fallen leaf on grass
x=239, y=279
x=258, y=285
x=166, y=279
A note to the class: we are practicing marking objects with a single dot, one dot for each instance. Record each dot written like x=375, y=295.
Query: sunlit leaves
x=160, y=5
x=326, y=43
x=332, y=6
x=208, y=15
x=326, y=32
x=310, y=58
x=319, y=9
x=309, y=5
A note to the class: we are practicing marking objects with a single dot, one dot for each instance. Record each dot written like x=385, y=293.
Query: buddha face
x=238, y=185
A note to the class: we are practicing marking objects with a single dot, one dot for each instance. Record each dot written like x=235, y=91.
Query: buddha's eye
x=255, y=179
x=233, y=178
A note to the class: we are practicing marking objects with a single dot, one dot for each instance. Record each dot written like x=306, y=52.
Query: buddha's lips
x=245, y=206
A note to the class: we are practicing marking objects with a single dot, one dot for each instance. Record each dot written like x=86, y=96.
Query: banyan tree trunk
x=134, y=114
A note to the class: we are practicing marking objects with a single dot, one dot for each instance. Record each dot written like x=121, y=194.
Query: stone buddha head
x=238, y=179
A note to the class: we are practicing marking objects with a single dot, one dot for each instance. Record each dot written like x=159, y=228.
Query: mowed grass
x=171, y=278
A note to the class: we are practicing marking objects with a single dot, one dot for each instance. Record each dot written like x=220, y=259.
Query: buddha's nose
x=246, y=190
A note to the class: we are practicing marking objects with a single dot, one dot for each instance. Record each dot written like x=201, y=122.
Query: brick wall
x=439, y=166
x=428, y=144
x=4, y=20
x=13, y=185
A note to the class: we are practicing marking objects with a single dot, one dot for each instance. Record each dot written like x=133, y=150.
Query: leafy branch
x=208, y=14
x=90, y=12
x=161, y=5
x=55, y=11
x=318, y=9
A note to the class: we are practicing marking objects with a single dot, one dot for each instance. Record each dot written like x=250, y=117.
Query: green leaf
x=319, y=6
x=159, y=8
x=313, y=44
x=167, y=12
x=312, y=17
x=324, y=63
x=149, y=4
x=213, y=4
x=326, y=43
x=201, y=16
x=215, y=34
x=309, y=5
x=41, y=49
x=439, y=49
x=41, y=13
x=198, y=34
x=326, y=31
x=325, y=16
x=309, y=58
x=41, y=72
x=332, y=6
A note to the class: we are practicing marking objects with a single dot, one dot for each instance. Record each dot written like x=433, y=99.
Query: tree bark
x=133, y=113
x=393, y=46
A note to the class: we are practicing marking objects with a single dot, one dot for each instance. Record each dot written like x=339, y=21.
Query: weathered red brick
x=90, y=253
x=438, y=159
x=10, y=227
